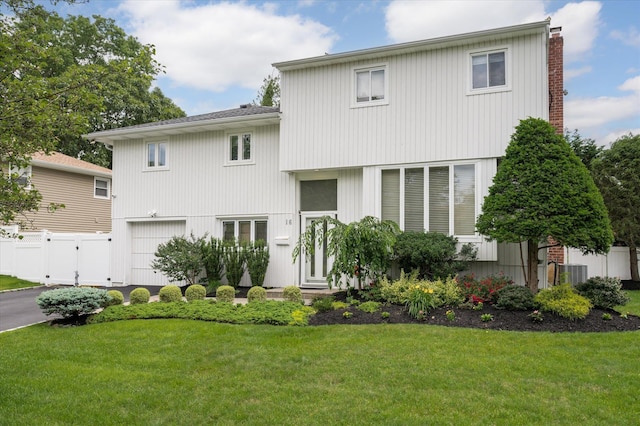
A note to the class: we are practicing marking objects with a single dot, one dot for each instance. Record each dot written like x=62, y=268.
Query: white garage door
x=145, y=238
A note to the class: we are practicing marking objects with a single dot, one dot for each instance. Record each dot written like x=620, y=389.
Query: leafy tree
x=60, y=78
x=360, y=249
x=543, y=190
x=269, y=93
x=180, y=259
x=586, y=149
x=616, y=174
x=432, y=254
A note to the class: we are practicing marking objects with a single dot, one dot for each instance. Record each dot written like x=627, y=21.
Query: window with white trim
x=22, y=176
x=101, y=187
x=244, y=230
x=435, y=198
x=239, y=148
x=488, y=69
x=370, y=85
x=156, y=155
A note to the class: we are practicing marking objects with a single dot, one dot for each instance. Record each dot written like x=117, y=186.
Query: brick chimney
x=556, y=85
x=556, y=113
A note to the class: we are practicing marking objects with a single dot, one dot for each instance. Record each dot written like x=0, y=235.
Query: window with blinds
x=391, y=195
x=414, y=200
x=439, y=199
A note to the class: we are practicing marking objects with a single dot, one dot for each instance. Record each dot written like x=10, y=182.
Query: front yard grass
x=166, y=372
x=12, y=283
x=633, y=307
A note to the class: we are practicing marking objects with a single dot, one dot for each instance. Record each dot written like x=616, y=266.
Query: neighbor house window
x=101, y=188
x=438, y=198
x=156, y=155
x=22, y=176
x=488, y=69
x=371, y=85
x=244, y=230
x=240, y=148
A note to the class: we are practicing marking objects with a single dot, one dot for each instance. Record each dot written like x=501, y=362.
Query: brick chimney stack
x=556, y=85
x=556, y=118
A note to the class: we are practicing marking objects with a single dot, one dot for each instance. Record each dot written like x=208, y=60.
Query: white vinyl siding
x=430, y=116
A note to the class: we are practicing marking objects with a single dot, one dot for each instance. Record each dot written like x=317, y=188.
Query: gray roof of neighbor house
x=219, y=120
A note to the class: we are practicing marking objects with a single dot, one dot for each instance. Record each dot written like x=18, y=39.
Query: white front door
x=316, y=265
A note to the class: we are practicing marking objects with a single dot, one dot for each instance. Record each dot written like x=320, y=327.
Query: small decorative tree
x=543, y=190
x=213, y=260
x=360, y=250
x=180, y=259
x=257, y=259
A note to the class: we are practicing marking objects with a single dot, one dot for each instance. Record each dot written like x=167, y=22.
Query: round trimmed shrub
x=116, y=298
x=515, y=298
x=225, y=293
x=292, y=294
x=170, y=293
x=195, y=292
x=256, y=294
x=603, y=292
x=139, y=295
x=564, y=301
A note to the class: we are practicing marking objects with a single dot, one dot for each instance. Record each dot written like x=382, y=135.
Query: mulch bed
x=469, y=318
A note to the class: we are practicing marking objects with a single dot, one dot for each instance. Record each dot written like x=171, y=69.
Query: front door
x=317, y=264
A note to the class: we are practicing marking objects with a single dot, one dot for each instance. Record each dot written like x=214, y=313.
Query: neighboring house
x=410, y=132
x=84, y=189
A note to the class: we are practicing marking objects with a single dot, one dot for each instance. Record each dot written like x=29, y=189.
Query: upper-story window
x=371, y=85
x=488, y=69
x=240, y=149
x=101, y=188
x=156, y=155
x=22, y=176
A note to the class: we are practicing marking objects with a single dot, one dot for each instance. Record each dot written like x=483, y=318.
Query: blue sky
x=216, y=54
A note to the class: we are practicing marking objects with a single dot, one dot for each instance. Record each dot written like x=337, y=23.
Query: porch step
x=307, y=294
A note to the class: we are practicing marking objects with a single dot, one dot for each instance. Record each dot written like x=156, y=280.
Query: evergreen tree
x=543, y=190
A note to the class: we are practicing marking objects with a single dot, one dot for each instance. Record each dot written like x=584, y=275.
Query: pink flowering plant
x=484, y=290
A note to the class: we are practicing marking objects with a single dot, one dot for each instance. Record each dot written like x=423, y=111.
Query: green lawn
x=167, y=372
x=12, y=283
x=633, y=307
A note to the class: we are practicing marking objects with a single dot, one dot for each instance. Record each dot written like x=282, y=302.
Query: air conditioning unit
x=576, y=273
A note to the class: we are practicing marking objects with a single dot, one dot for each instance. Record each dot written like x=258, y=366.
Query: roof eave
x=126, y=133
x=413, y=46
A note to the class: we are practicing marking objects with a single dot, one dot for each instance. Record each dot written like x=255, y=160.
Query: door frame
x=303, y=218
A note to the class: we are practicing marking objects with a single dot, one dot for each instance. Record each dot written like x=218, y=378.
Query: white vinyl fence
x=56, y=258
x=613, y=264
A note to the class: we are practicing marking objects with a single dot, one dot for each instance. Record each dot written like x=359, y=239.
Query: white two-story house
x=409, y=132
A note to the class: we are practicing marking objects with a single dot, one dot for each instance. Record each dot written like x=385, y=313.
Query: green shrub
x=432, y=254
x=339, y=305
x=448, y=293
x=212, y=252
x=257, y=259
x=234, y=262
x=484, y=290
x=323, y=304
x=170, y=293
x=604, y=292
x=225, y=293
x=73, y=301
x=139, y=295
x=195, y=292
x=292, y=294
x=256, y=294
x=397, y=292
x=369, y=307
x=116, y=298
x=564, y=301
x=515, y=298
x=180, y=258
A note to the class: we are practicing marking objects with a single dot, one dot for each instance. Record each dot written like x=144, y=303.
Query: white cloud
x=220, y=45
x=591, y=113
x=630, y=37
x=575, y=72
x=613, y=136
x=414, y=20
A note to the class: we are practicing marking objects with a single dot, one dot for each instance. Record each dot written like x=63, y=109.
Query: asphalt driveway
x=19, y=308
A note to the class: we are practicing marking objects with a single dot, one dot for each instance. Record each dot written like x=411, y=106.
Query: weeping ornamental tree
x=543, y=190
x=361, y=250
x=616, y=172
